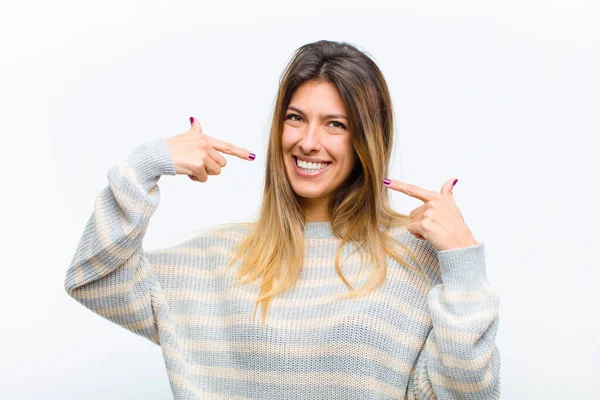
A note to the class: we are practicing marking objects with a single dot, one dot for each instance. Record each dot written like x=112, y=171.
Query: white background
x=504, y=96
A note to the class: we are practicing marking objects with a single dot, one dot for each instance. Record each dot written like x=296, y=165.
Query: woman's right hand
x=197, y=155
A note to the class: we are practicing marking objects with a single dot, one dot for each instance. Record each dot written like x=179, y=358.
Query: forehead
x=317, y=98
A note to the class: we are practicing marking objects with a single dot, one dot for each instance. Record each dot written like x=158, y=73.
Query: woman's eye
x=340, y=124
x=292, y=115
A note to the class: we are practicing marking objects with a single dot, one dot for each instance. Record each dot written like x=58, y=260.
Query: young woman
x=419, y=320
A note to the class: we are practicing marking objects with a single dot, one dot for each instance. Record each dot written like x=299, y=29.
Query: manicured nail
x=456, y=180
x=387, y=181
x=252, y=156
x=191, y=120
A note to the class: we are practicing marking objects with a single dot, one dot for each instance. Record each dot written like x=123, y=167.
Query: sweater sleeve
x=109, y=273
x=460, y=359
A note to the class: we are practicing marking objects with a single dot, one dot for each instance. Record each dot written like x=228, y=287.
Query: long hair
x=271, y=255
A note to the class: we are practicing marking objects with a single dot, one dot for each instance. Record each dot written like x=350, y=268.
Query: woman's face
x=317, y=150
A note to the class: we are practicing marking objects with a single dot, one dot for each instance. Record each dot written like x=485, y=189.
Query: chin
x=311, y=194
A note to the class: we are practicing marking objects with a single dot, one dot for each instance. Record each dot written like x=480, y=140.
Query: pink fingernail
x=191, y=120
x=456, y=180
x=387, y=181
x=252, y=156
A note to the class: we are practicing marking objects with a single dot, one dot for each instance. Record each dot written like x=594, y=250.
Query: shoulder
x=408, y=246
x=202, y=248
x=227, y=235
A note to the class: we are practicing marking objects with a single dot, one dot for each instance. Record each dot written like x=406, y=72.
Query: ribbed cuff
x=463, y=269
x=150, y=160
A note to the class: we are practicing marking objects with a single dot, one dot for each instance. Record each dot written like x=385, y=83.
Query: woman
x=418, y=327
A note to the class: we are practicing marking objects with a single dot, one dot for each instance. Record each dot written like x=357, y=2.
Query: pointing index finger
x=229, y=148
x=412, y=190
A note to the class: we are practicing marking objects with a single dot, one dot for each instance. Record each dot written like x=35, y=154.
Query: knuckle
x=197, y=171
x=426, y=224
x=203, y=143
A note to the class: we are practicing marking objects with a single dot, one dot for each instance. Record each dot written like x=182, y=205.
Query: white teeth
x=310, y=165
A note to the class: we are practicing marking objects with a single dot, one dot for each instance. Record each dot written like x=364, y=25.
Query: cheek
x=345, y=152
x=287, y=139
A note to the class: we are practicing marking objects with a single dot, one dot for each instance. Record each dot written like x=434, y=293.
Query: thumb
x=449, y=186
x=196, y=124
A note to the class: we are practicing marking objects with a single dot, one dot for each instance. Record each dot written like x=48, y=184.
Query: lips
x=312, y=160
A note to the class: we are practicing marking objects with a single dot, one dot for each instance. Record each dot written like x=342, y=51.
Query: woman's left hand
x=439, y=221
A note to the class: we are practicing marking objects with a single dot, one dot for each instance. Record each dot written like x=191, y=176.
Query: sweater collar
x=317, y=230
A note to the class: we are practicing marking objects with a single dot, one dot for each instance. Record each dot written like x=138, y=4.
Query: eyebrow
x=322, y=116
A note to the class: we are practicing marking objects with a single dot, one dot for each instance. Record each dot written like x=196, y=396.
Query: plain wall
x=504, y=96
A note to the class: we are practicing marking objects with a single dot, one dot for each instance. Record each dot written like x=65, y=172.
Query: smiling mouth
x=309, y=168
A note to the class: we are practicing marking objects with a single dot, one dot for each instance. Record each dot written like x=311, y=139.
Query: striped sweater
x=410, y=339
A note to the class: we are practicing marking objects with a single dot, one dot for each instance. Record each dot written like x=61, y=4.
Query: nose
x=311, y=139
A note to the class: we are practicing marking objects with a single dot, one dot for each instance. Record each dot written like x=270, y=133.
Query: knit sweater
x=411, y=338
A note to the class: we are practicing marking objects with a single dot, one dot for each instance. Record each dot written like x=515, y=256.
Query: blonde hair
x=271, y=255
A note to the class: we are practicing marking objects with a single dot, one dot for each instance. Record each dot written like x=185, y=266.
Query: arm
x=109, y=273
x=460, y=359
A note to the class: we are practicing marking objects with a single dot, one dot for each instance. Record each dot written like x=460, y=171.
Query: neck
x=316, y=210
